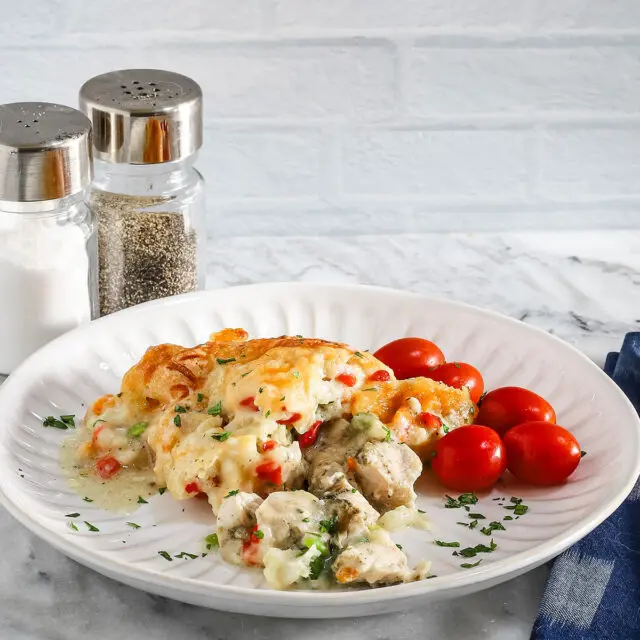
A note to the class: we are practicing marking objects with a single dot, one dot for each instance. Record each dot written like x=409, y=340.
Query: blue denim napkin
x=593, y=591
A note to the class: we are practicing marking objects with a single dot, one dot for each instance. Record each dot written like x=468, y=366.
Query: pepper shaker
x=147, y=196
x=47, y=240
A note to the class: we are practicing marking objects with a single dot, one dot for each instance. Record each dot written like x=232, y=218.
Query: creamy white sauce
x=119, y=494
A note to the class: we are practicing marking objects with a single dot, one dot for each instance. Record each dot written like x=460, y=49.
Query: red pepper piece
x=309, y=437
x=347, y=379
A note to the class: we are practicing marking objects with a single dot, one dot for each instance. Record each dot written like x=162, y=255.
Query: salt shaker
x=147, y=196
x=47, y=240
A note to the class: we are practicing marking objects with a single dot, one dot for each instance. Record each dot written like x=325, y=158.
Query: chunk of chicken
x=353, y=515
x=386, y=472
x=376, y=562
x=236, y=521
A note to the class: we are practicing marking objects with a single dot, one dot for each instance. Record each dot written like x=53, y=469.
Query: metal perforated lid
x=143, y=116
x=45, y=151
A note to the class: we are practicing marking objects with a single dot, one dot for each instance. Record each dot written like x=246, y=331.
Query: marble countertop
x=582, y=286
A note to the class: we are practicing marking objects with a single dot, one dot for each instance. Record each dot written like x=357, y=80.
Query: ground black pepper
x=143, y=255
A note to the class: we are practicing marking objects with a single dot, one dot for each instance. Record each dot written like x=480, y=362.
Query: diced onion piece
x=402, y=517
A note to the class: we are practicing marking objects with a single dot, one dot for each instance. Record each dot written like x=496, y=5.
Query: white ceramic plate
x=73, y=370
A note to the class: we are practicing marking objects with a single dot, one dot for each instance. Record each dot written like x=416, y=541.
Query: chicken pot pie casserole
x=306, y=450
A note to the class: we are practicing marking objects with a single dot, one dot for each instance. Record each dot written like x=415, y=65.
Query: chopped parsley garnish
x=177, y=420
x=200, y=397
x=232, y=493
x=470, y=552
x=296, y=374
x=464, y=499
x=445, y=429
x=258, y=533
x=305, y=520
x=212, y=541
x=133, y=525
x=165, y=555
x=283, y=398
x=298, y=336
x=137, y=429
x=244, y=375
x=473, y=524
x=221, y=437
x=223, y=361
x=161, y=490
x=91, y=527
x=354, y=490
x=491, y=527
x=399, y=546
x=72, y=515
x=442, y=543
x=96, y=422
x=583, y=454
x=86, y=499
x=508, y=518
x=517, y=507
x=141, y=500
x=58, y=423
x=477, y=516
x=266, y=415
x=456, y=365
x=72, y=525
x=316, y=567
x=464, y=524
x=184, y=554
x=421, y=511
x=358, y=354
x=388, y=434
x=260, y=389
x=330, y=525
x=180, y=409
x=216, y=410
x=371, y=389
x=470, y=565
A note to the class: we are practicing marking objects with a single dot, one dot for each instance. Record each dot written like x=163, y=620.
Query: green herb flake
x=305, y=520
x=476, y=516
x=177, y=421
x=137, y=429
x=91, y=527
x=463, y=500
x=223, y=361
x=183, y=554
x=583, y=454
x=445, y=429
x=72, y=525
x=371, y=389
x=180, y=409
x=442, y=543
x=399, y=546
x=491, y=527
x=69, y=420
x=464, y=524
x=266, y=415
x=133, y=525
x=508, y=518
x=258, y=533
x=421, y=511
x=200, y=397
x=298, y=336
x=72, y=515
x=260, y=389
x=283, y=398
x=358, y=354
x=473, y=525
x=296, y=374
x=51, y=421
x=232, y=493
x=469, y=565
x=244, y=375
x=216, y=410
x=221, y=437
x=387, y=431
x=87, y=499
x=161, y=490
x=329, y=526
x=141, y=500
x=354, y=490
x=212, y=541
x=165, y=555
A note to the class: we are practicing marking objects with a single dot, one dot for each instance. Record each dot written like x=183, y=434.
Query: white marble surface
x=584, y=287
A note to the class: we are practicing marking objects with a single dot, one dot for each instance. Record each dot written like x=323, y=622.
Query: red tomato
x=410, y=357
x=458, y=375
x=541, y=453
x=107, y=467
x=347, y=379
x=382, y=375
x=506, y=407
x=270, y=471
x=249, y=403
x=469, y=458
x=309, y=437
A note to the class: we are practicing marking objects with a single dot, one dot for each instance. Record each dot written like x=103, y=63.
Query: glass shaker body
x=48, y=275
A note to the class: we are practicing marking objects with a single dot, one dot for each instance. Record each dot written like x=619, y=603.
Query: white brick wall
x=327, y=116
